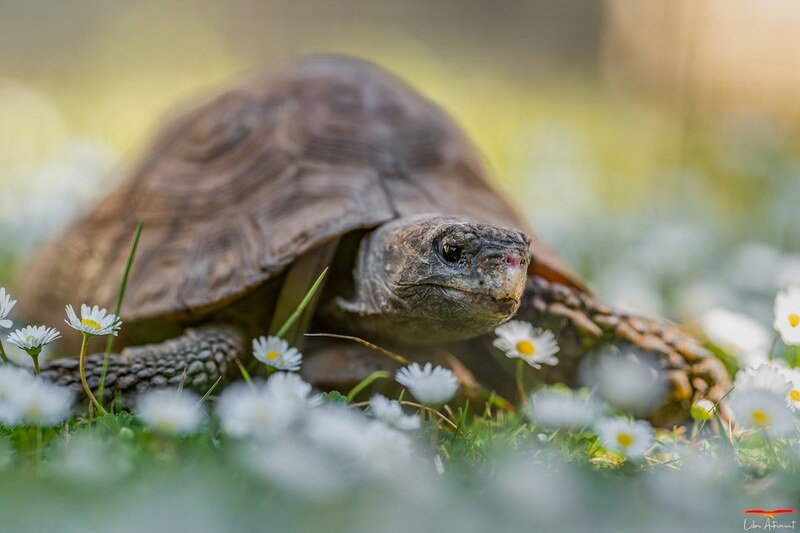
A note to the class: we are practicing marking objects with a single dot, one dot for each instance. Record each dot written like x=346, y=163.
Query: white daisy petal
x=276, y=353
x=27, y=400
x=170, y=412
x=770, y=377
x=390, y=412
x=521, y=340
x=554, y=409
x=6, y=305
x=793, y=396
x=787, y=315
x=93, y=321
x=759, y=409
x=631, y=438
x=33, y=338
x=429, y=385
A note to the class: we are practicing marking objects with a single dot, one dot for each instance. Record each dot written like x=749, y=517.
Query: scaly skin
x=197, y=359
x=430, y=279
x=584, y=325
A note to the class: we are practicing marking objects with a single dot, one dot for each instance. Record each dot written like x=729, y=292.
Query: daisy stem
x=520, y=382
x=82, y=370
x=3, y=354
x=36, y=364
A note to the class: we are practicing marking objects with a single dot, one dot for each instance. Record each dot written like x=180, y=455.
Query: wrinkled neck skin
x=408, y=293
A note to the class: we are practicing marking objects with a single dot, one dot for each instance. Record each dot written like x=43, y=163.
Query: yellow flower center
x=272, y=355
x=526, y=348
x=794, y=320
x=794, y=395
x=624, y=439
x=29, y=338
x=760, y=417
x=91, y=323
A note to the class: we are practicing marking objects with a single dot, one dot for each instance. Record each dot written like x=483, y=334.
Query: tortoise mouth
x=504, y=304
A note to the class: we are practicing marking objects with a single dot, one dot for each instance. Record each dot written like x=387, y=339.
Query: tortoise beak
x=509, y=274
x=515, y=276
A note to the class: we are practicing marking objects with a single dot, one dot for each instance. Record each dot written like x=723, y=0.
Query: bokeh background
x=654, y=143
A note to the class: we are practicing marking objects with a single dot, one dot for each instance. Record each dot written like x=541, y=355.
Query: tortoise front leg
x=198, y=358
x=585, y=325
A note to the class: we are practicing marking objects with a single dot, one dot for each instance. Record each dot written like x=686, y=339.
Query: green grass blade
x=366, y=382
x=303, y=304
x=120, y=297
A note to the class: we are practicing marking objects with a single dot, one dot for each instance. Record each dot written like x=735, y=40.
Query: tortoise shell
x=234, y=190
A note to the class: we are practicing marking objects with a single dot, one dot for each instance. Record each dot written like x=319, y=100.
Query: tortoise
x=325, y=161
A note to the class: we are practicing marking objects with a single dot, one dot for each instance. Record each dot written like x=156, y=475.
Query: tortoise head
x=429, y=278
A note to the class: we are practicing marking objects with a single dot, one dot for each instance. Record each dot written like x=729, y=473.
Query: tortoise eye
x=451, y=254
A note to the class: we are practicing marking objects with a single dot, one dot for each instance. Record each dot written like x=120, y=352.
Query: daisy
x=429, y=385
x=760, y=409
x=702, y=410
x=390, y=412
x=6, y=305
x=629, y=381
x=292, y=389
x=769, y=377
x=27, y=400
x=793, y=396
x=553, y=409
x=94, y=321
x=276, y=353
x=170, y=412
x=521, y=340
x=787, y=315
x=33, y=338
x=738, y=335
x=254, y=411
x=631, y=438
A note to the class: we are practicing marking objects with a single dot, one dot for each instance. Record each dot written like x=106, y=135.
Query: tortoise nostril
x=514, y=260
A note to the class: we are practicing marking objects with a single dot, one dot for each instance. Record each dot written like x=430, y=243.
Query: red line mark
x=771, y=514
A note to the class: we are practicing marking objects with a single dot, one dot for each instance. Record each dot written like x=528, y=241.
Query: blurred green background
x=653, y=143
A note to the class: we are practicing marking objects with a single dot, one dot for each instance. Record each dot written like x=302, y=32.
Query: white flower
x=391, y=413
x=769, y=377
x=787, y=315
x=296, y=466
x=32, y=338
x=6, y=305
x=761, y=409
x=27, y=400
x=702, y=410
x=291, y=388
x=631, y=381
x=94, y=321
x=553, y=409
x=169, y=411
x=738, y=335
x=366, y=446
x=429, y=385
x=793, y=396
x=275, y=352
x=248, y=410
x=631, y=438
x=520, y=339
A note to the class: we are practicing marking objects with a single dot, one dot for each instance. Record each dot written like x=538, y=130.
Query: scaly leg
x=198, y=358
x=587, y=324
